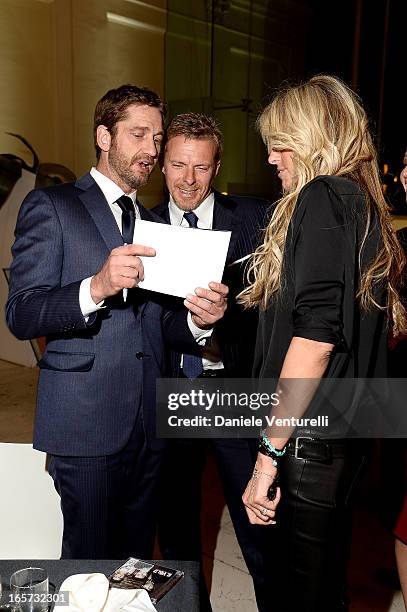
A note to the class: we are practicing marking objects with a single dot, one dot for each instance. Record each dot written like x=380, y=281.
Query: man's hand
x=260, y=510
x=208, y=305
x=122, y=269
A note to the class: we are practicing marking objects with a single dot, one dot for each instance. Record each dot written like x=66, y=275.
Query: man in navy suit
x=191, y=163
x=75, y=282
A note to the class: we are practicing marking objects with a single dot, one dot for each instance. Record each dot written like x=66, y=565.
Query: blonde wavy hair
x=323, y=123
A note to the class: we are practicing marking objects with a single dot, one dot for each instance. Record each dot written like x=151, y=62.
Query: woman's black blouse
x=321, y=273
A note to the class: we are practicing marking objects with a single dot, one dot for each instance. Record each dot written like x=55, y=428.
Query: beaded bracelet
x=265, y=451
x=270, y=447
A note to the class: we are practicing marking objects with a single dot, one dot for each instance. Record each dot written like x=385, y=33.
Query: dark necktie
x=191, y=219
x=128, y=218
x=192, y=364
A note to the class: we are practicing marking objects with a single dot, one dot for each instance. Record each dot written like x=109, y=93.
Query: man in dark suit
x=75, y=282
x=191, y=163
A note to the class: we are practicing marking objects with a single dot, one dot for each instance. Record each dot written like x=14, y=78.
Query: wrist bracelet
x=257, y=471
x=265, y=451
x=268, y=444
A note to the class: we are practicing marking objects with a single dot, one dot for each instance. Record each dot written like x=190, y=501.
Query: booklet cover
x=156, y=579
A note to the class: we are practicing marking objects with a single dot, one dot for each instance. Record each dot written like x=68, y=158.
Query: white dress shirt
x=112, y=193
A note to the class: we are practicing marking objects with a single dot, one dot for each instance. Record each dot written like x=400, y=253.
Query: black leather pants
x=308, y=565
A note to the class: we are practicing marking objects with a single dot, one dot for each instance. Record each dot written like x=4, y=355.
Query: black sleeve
x=319, y=265
x=177, y=334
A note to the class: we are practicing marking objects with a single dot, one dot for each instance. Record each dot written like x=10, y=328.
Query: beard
x=126, y=169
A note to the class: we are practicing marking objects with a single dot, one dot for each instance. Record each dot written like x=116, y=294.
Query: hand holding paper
x=185, y=259
x=122, y=269
x=207, y=305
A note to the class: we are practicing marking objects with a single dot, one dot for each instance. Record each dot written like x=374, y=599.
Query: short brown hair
x=113, y=107
x=196, y=126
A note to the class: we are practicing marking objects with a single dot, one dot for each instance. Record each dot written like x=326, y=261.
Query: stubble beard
x=124, y=170
x=184, y=203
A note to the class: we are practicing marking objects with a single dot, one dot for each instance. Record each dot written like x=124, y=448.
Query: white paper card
x=186, y=258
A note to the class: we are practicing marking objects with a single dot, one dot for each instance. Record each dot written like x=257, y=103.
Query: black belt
x=315, y=449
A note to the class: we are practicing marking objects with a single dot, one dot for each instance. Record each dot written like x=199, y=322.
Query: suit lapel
x=224, y=218
x=163, y=211
x=145, y=214
x=96, y=205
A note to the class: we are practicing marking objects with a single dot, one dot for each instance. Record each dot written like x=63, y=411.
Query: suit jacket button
x=139, y=355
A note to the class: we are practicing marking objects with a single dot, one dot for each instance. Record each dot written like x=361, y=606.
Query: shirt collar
x=111, y=191
x=204, y=212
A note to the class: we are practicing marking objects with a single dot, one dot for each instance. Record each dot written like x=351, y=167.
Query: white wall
x=12, y=349
x=30, y=515
x=59, y=57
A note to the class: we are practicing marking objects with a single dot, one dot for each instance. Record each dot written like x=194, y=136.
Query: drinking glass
x=4, y=605
x=29, y=590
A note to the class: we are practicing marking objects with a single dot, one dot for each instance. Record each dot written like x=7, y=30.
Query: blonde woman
x=326, y=280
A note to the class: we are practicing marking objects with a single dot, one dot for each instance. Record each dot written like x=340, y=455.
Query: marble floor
x=17, y=402
x=371, y=574
x=372, y=562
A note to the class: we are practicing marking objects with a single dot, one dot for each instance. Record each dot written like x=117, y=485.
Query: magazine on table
x=156, y=579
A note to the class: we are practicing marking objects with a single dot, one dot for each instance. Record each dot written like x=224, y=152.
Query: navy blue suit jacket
x=95, y=375
x=245, y=217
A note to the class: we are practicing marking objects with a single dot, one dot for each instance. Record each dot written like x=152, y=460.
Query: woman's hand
x=259, y=508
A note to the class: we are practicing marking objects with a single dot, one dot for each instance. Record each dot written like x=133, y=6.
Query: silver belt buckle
x=297, y=445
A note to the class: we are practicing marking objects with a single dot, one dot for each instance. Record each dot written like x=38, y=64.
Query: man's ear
x=217, y=168
x=103, y=138
x=163, y=158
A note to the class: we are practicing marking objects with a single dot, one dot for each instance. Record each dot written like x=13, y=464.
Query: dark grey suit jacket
x=95, y=375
